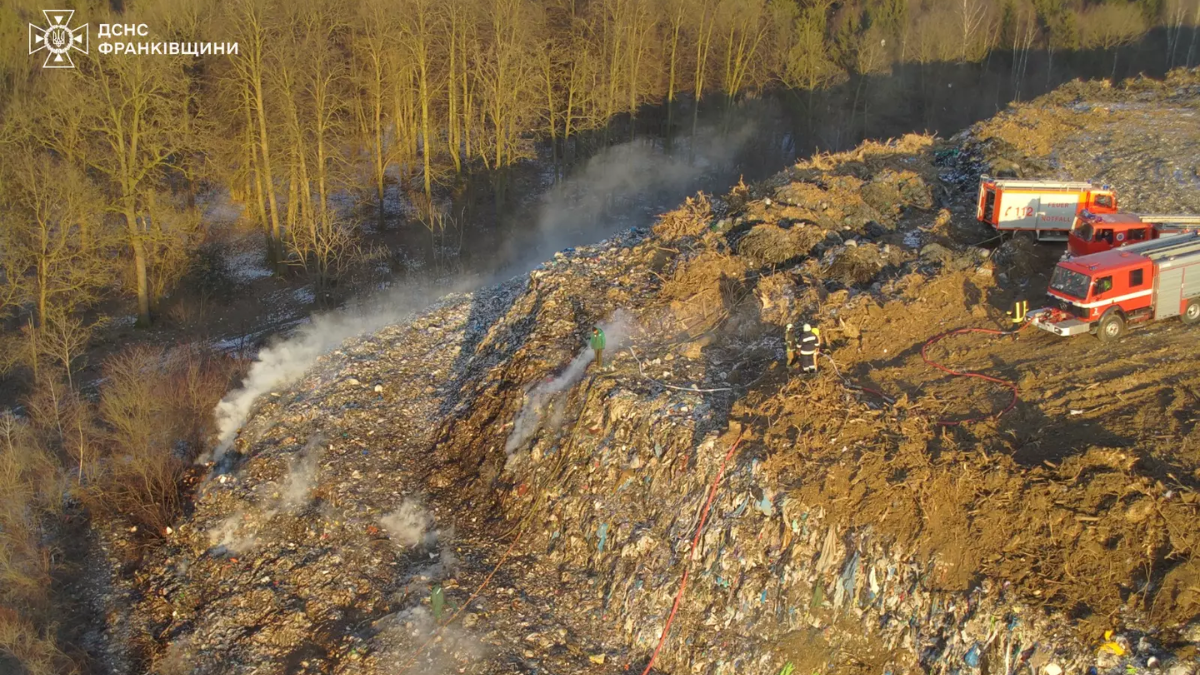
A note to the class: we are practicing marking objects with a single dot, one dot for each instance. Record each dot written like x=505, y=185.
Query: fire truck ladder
x=1173, y=222
x=1157, y=249
x=1040, y=184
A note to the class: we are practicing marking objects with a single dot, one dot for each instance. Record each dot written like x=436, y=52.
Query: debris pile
x=467, y=492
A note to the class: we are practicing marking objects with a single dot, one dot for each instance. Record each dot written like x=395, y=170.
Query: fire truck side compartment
x=1169, y=293
x=1178, y=277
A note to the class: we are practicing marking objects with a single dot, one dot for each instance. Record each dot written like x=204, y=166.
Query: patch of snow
x=246, y=266
x=912, y=239
x=217, y=207
x=304, y=295
x=235, y=345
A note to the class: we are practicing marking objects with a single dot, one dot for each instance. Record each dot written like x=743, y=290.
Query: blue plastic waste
x=971, y=658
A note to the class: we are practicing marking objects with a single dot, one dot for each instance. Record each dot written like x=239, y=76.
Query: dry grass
x=29, y=651
x=31, y=488
x=156, y=406
x=128, y=454
x=856, y=265
x=691, y=219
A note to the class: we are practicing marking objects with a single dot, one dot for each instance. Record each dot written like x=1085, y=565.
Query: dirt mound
x=692, y=219
x=1129, y=136
x=703, y=290
x=911, y=152
x=890, y=191
x=1095, y=533
x=856, y=265
x=769, y=244
x=836, y=203
x=783, y=297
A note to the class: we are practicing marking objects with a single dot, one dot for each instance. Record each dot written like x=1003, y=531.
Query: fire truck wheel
x=1112, y=326
x=1191, y=315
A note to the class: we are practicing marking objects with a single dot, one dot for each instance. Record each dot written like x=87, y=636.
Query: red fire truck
x=1103, y=292
x=1097, y=232
x=1047, y=208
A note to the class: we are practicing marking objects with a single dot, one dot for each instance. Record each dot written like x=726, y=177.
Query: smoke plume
x=622, y=186
x=287, y=360
x=401, y=633
x=302, y=476
x=625, y=186
x=542, y=402
x=235, y=534
x=410, y=525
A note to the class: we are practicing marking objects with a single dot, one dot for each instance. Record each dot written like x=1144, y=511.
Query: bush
x=31, y=487
x=157, y=407
x=24, y=650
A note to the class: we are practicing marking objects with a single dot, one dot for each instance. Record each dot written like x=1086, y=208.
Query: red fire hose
x=687, y=568
x=959, y=373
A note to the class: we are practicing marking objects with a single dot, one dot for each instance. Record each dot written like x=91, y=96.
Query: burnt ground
x=877, y=518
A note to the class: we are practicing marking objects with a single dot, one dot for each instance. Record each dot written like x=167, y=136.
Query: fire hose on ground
x=712, y=491
x=966, y=373
x=1011, y=386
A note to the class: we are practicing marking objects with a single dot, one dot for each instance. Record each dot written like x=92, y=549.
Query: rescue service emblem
x=58, y=38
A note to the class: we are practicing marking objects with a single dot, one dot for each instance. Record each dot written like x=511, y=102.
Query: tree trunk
x=268, y=182
x=452, y=122
x=139, y=267
x=253, y=181
x=380, y=165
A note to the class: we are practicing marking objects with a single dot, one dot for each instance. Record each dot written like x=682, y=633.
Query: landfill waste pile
x=469, y=492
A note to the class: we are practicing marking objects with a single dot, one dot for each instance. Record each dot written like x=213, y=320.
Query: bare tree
x=372, y=46
x=133, y=110
x=250, y=25
x=1111, y=26
x=972, y=17
x=745, y=26
x=1024, y=32
x=49, y=260
x=421, y=25
x=1191, y=54
x=706, y=20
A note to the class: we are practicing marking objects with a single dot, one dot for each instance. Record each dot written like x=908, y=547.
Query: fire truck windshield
x=1084, y=231
x=1070, y=282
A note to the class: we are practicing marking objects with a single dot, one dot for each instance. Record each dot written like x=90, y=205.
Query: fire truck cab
x=1098, y=232
x=1047, y=208
x=1103, y=292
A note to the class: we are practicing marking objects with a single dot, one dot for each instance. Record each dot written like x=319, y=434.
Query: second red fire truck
x=1104, y=292
x=1098, y=232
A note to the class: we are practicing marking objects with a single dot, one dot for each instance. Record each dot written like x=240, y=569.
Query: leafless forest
x=106, y=171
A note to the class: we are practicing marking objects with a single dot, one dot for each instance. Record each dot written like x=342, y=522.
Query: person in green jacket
x=597, y=343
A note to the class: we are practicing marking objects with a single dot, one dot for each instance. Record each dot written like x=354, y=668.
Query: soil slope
x=879, y=517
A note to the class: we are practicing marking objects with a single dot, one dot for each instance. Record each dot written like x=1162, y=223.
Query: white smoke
x=239, y=532
x=235, y=534
x=410, y=525
x=542, y=403
x=400, y=634
x=302, y=476
x=288, y=360
x=622, y=186
x=625, y=186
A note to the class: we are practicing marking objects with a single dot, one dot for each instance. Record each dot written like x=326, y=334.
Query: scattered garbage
x=377, y=516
